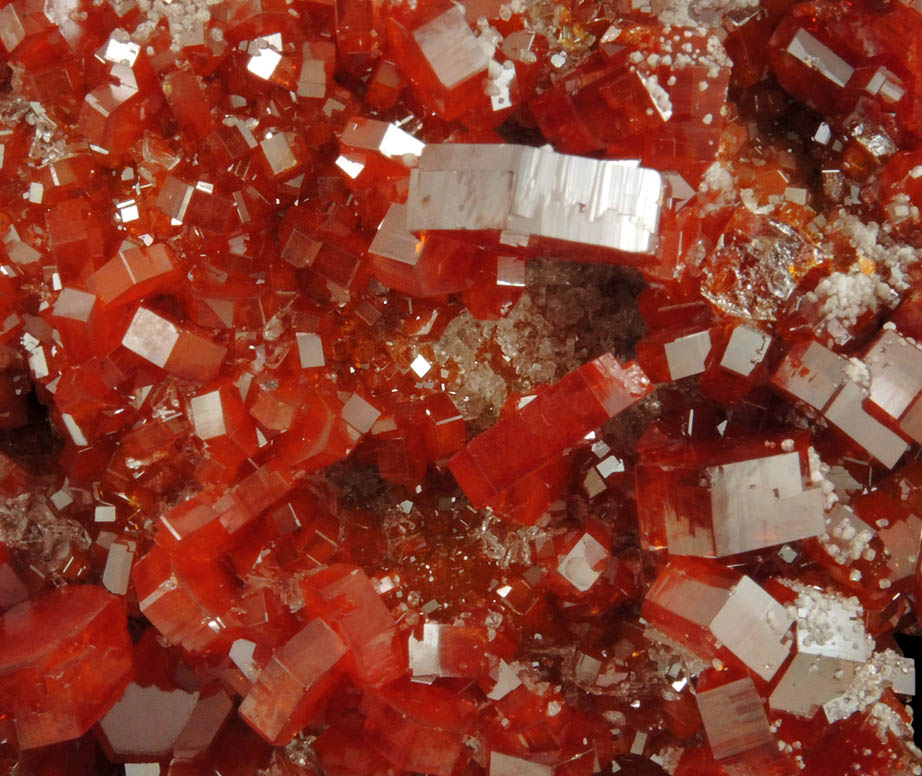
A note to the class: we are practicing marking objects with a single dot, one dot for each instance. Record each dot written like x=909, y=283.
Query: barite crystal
x=536, y=192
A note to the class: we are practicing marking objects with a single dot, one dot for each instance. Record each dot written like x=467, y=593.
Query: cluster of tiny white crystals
x=829, y=621
x=845, y=296
x=857, y=371
x=867, y=686
x=688, y=13
x=718, y=178
x=671, y=658
x=845, y=542
x=187, y=19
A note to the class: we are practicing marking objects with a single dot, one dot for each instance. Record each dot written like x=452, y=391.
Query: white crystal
x=686, y=355
x=151, y=337
x=451, y=48
x=117, y=572
x=310, y=349
x=208, y=415
x=359, y=414
x=761, y=502
x=580, y=566
x=507, y=765
x=536, y=191
x=819, y=57
x=745, y=350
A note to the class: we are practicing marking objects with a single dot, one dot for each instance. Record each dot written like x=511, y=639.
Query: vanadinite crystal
x=498, y=388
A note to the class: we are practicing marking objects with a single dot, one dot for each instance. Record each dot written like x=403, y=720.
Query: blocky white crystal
x=359, y=414
x=895, y=368
x=902, y=540
x=74, y=304
x=117, y=572
x=451, y=48
x=507, y=765
x=819, y=57
x=506, y=681
x=754, y=627
x=156, y=732
x=583, y=565
x=536, y=191
x=685, y=356
x=745, y=350
x=241, y=654
x=847, y=413
x=310, y=349
x=278, y=152
x=151, y=337
x=381, y=136
x=142, y=769
x=814, y=377
x=208, y=415
x=810, y=681
x=393, y=240
x=746, y=619
x=425, y=652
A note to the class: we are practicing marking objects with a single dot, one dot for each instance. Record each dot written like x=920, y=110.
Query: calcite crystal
x=464, y=389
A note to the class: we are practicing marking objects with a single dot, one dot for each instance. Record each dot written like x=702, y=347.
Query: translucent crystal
x=734, y=718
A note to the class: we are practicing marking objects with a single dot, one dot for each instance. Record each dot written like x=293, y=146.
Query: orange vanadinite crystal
x=334, y=439
x=66, y=658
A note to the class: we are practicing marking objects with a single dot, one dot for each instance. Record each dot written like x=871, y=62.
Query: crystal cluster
x=518, y=388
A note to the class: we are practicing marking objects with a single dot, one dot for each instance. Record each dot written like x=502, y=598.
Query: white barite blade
x=151, y=337
x=536, y=191
x=811, y=681
x=450, y=46
x=507, y=765
x=425, y=653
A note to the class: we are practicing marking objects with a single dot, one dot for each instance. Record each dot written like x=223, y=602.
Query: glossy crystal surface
x=464, y=389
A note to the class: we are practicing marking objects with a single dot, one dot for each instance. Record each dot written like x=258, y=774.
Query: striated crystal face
x=459, y=389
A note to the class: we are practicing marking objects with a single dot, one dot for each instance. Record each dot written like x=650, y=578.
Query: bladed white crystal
x=536, y=191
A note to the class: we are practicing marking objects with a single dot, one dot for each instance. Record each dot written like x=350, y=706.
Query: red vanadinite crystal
x=464, y=389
